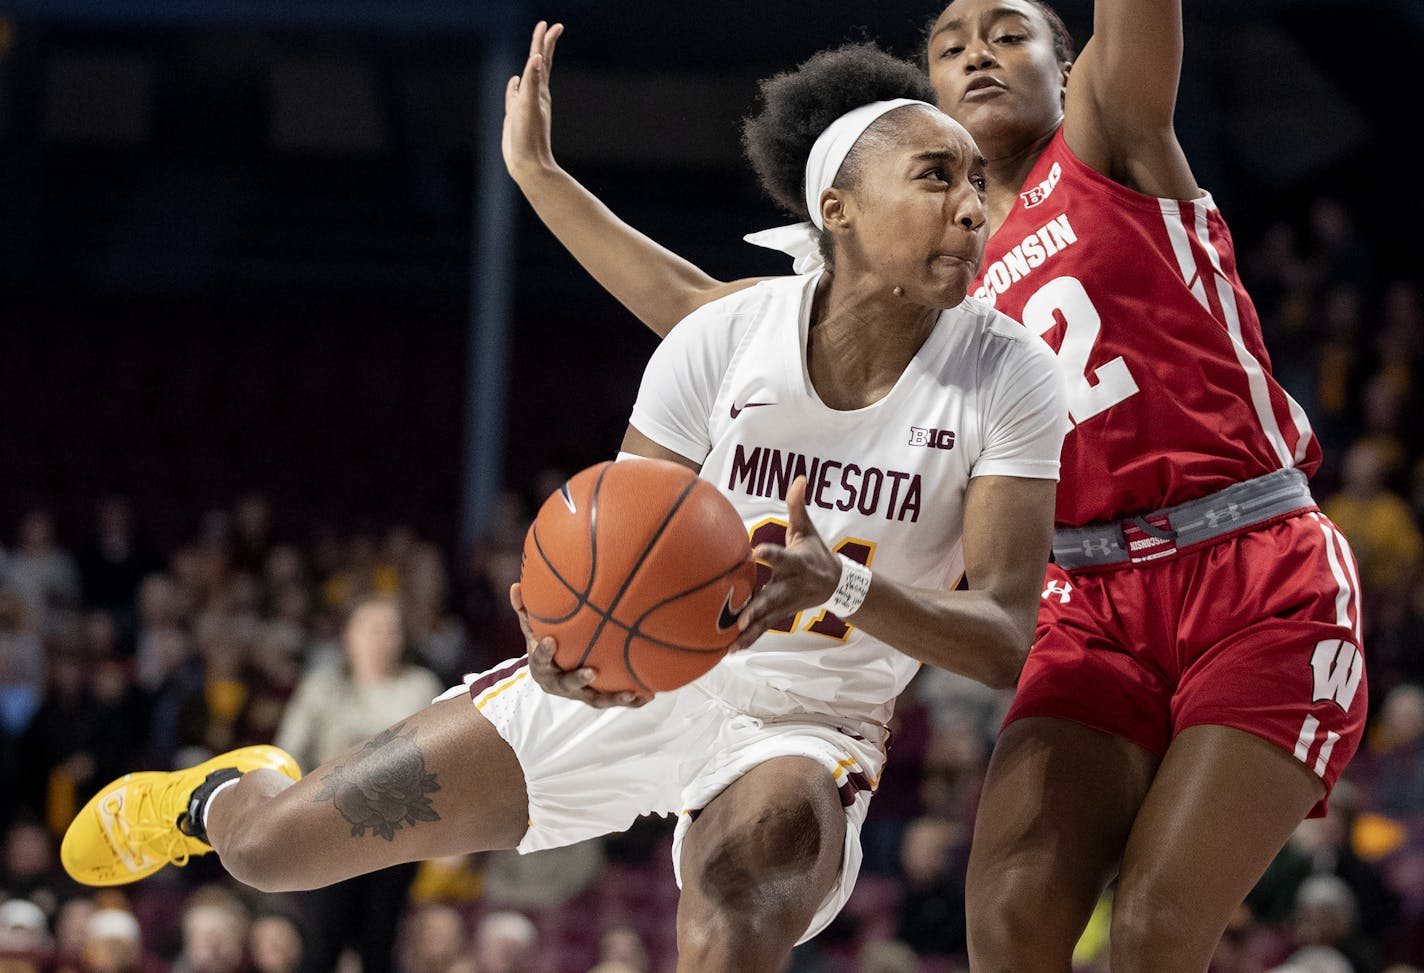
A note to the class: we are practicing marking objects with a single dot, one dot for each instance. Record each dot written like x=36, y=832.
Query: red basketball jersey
x=1169, y=382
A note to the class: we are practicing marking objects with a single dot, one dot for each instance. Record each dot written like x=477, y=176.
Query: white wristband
x=851, y=592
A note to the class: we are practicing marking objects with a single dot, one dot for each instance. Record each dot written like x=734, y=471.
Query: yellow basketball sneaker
x=143, y=821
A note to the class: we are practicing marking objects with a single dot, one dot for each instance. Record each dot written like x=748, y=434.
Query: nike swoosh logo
x=727, y=618
x=737, y=409
x=111, y=819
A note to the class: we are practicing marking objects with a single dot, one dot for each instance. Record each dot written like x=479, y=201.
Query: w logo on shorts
x=1338, y=667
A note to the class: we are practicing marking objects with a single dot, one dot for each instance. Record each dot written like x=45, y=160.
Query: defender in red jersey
x=1197, y=680
x=1098, y=270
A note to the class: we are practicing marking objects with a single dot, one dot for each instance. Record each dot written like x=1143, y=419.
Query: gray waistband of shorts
x=1237, y=507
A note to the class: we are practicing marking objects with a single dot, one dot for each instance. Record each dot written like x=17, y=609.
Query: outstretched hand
x=569, y=683
x=804, y=571
x=528, y=107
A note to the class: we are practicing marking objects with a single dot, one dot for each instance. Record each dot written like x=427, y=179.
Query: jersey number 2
x=1064, y=299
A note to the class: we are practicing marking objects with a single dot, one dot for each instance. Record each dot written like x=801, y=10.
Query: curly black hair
x=797, y=106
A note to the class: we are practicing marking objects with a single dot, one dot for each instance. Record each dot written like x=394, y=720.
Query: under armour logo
x=1060, y=589
x=1097, y=546
x=1216, y=517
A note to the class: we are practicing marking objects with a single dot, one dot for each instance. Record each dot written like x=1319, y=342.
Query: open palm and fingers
x=528, y=107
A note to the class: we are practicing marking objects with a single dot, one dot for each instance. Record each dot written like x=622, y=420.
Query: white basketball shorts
x=590, y=772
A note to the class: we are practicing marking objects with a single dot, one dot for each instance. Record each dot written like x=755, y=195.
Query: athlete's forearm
x=968, y=632
x=654, y=283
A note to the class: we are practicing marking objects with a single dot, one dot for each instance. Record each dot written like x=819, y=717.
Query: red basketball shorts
x=1260, y=632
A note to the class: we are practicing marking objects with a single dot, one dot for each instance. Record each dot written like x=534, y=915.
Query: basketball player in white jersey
x=884, y=439
x=1198, y=671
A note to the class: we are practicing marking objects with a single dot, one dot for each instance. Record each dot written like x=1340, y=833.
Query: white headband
x=828, y=154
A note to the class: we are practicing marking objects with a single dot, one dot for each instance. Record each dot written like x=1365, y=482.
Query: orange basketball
x=637, y=568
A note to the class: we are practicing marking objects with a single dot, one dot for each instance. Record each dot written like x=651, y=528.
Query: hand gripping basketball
x=639, y=569
x=804, y=571
x=571, y=683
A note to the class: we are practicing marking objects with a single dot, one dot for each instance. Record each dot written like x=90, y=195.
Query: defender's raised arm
x=657, y=285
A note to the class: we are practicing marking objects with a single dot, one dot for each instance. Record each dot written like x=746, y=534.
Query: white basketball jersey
x=885, y=484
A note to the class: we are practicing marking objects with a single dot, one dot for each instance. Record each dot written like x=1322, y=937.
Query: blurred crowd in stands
x=116, y=656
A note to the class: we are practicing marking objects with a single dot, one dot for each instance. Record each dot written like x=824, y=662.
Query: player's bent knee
x=756, y=866
x=787, y=837
x=740, y=920
x=760, y=849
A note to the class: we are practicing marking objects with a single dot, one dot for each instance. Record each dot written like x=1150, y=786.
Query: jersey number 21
x=773, y=531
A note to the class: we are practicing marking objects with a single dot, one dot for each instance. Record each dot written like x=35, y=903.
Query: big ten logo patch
x=1043, y=190
x=931, y=438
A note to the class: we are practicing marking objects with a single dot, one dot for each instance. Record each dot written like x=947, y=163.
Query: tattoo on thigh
x=383, y=786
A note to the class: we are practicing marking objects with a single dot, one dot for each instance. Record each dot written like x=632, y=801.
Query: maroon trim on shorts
x=855, y=782
x=495, y=675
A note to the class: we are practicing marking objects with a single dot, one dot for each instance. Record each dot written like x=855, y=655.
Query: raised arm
x=657, y=285
x=1122, y=95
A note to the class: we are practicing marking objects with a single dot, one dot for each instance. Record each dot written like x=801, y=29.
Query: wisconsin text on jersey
x=767, y=471
x=1035, y=249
